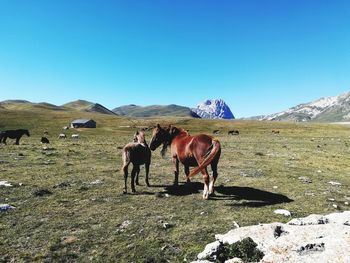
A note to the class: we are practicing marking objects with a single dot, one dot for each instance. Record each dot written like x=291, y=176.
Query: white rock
x=234, y=260
x=334, y=183
x=209, y=250
x=5, y=207
x=315, y=238
x=5, y=184
x=282, y=212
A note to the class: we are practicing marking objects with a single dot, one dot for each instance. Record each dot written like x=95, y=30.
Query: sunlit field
x=69, y=203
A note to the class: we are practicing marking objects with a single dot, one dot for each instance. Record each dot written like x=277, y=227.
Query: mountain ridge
x=324, y=109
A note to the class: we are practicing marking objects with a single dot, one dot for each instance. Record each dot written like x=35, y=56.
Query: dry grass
x=88, y=220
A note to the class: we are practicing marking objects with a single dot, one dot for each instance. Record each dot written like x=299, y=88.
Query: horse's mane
x=172, y=131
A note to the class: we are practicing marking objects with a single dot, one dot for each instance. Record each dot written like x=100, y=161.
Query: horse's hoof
x=137, y=183
x=124, y=192
x=148, y=185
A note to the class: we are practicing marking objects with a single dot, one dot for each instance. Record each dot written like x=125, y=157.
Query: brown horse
x=137, y=153
x=199, y=150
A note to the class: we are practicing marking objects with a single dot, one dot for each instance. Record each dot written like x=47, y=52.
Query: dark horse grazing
x=137, y=153
x=13, y=134
x=199, y=150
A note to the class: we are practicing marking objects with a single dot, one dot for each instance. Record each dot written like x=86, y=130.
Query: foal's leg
x=125, y=170
x=137, y=176
x=135, y=168
x=176, y=171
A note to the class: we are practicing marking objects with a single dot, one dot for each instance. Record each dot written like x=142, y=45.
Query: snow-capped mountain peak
x=335, y=108
x=213, y=109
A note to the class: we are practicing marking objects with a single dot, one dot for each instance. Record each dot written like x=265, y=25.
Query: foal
x=137, y=153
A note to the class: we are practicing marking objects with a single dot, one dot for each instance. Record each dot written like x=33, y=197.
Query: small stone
x=282, y=212
x=335, y=206
x=346, y=203
x=167, y=225
x=275, y=187
x=5, y=207
x=334, y=183
x=5, y=184
x=305, y=179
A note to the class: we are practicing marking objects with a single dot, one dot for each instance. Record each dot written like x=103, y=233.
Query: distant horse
x=62, y=136
x=137, y=153
x=199, y=150
x=75, y=136
x=216, y=132
x=233, y=132
x=44, y=140
x=13, y=134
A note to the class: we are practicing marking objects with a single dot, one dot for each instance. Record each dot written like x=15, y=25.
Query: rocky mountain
x=326, y=109
x=154, y=111
x=213, y=109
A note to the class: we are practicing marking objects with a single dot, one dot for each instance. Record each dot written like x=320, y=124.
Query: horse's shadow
x=242, y=196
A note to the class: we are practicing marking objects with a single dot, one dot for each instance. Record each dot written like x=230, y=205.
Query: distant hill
x=27, y=105
x=83, y=105
x=326, y=109
x=155, y=111
x=79, y=105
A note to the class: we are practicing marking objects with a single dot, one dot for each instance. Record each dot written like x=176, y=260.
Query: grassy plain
x=70, y=206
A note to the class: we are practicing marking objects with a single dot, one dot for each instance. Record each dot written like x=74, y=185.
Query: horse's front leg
x=133, y=174
x=137, y=176
x=147, y=173
x=17, y=140
x=176, y=170
x=187, y=172
x=4, y=140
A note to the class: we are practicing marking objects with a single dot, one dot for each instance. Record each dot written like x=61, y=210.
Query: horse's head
x=162, y=136
x=139, y=137
x=159, y=136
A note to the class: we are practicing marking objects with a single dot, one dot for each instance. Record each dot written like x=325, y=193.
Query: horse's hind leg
x=125, y=170
x=214, y=168
x=17, y=140
x=206, y=183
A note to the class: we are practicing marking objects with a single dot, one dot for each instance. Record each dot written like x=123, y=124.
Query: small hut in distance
x=83, y=123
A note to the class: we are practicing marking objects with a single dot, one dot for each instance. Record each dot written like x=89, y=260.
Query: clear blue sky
x=259, y=56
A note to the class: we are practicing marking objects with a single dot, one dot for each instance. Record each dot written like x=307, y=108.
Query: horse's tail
x=126, y=156
x=215, y=148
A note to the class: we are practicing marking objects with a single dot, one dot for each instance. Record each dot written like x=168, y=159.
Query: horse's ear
x=137, y=132
x=158, y=126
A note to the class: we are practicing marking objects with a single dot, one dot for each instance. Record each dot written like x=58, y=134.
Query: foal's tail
x=209, y=158
x=126, y=157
